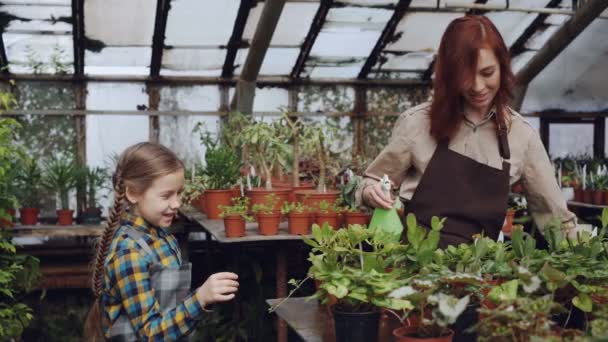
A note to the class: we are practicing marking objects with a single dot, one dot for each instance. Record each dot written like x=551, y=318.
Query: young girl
x=140, y=284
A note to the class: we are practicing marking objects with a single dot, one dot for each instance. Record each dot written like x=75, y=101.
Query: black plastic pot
x=91, y=216
x=464, y=322
x=356, y=326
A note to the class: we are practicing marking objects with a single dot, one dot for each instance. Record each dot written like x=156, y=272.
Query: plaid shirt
x=127, y=289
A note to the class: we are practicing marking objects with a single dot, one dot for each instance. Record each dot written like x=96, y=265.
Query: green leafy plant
x=10, y=155
x=61, y=177
x=358, y=277
x=267, y=207
x=239, y=207
x=348, y=191
x=294, y=207
x=222, y=164
x=18, y=274
x=519, y=320
x=326, y=207
x=266, y=146
x=93, y=179
x=29, y=180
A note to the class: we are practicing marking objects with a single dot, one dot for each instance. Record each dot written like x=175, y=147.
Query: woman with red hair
x=457, y=156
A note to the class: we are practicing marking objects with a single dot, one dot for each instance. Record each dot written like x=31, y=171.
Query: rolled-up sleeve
x=542, y=192
x=394, y=160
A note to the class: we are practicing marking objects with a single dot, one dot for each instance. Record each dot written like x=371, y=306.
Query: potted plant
x=267, y=148
x=9, y=170
x=297, y=132
x=267, y=216
x=194, y=193
x=356, y=277
x=328, y=213
x=62, y=177
x=221, y=174
x=235, y=217
x=299, y=217
x=520, y=319
x=93, y=179
x=29, y=181
x=352, y=214
x=316, y=146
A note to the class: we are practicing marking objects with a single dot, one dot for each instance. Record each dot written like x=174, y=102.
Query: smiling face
x=158, y=205
x=485, y=83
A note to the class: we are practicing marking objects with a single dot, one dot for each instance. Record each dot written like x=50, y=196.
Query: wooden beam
x=270, y=81
x=316, y=26
x=560, y=39
x=519, y=45
x=158, y=39
x=386, y=37
x=235, y=41
x=154, y=121
x=80, y=122
x=78, y=36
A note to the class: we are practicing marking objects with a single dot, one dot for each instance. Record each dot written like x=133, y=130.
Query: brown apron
x=472, y=196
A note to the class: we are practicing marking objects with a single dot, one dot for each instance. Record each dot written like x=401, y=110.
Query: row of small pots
x=597, y=197
x=298, y=223
x=29, y=216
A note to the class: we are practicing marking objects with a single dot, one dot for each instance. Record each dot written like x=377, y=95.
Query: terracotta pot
x=605, y=197
x=508, y=225
x=312, y=198
x=299, y=223
x=597, y=197
x=234, y=226
x=65, y=217
x=202, y=203
x=29, y=216
x=236, y=192
x=333, y=219
x=405, y=334
x=587, y=196
x=293, y=189
x=268, y=224
x=214, y=199
x=578, y=195
x=356, y=217
x=257, y=195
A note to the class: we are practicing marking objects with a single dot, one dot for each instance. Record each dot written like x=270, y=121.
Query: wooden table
x=215, y=230
x=307, y=318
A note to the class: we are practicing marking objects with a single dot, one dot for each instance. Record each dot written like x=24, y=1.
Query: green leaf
x=583, y=301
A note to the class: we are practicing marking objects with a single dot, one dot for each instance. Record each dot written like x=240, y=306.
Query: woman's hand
x=376, y=197
x=219, y=287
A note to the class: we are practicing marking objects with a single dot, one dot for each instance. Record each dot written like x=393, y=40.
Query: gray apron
x=171, y=286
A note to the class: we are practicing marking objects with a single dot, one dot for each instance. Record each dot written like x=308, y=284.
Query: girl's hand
x=376, y=197
x=219, y=287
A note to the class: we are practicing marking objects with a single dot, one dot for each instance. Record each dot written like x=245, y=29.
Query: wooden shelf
x=586, y=205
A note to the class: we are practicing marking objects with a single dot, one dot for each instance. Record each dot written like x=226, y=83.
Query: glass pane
x=349, y=70
x=570, y=139
x=267, y=99
x=293, y=25
x=192, y=98
x=540, y=37
x=277, y=62
x=325, y=99
x=378, y=130
x=39, y=54
x=118, y=61
x=395, y=100
x=200, y=23
x=176, y=132
x=409, y=61
x=113, y=21
x=521, y=60
x=408, y=30
x=371, y=2
x=193, y=62
x=344, y=43
x=34, y=19
x=116, y=96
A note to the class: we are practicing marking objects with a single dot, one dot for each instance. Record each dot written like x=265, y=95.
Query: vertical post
x=544, y=132
x=359, y=112
x=80, y=93
x=599, y=136
x=154, y=122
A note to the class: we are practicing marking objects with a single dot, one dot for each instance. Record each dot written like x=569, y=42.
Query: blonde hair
x=138, y=166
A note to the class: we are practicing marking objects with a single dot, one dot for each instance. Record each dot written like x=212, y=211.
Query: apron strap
x=139, y=239
x=503, y=142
